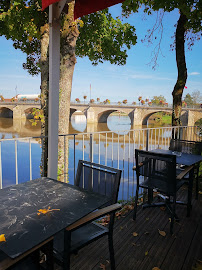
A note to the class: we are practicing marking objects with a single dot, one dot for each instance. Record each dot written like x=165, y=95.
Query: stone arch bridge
x=138, y=114
x=98, y=113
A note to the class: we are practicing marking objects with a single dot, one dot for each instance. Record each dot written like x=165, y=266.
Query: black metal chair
x=189, y=147
x=159, y=173
x=100, y=179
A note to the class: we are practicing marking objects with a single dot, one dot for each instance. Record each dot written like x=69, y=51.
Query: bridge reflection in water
x=21, y=157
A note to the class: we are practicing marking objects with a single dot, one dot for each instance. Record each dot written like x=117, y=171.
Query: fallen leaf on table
x=135, y=234
x=2, y=238
x=156, y=268
x=45, y=211
x=162, y=233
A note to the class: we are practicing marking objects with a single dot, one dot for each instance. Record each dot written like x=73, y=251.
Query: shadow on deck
x=148, y=249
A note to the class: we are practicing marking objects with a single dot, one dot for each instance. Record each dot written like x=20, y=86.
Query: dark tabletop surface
x=19, y=205
x=184, y=159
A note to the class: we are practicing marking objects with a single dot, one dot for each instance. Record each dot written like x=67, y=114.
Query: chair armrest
x=141, y=164
x=183, y=173
x=94, y=215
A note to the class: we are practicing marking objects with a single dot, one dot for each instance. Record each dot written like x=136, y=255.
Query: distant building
x=34, y=97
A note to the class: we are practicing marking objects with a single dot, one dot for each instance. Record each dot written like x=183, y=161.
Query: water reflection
x=119, y=123
x=78, y=122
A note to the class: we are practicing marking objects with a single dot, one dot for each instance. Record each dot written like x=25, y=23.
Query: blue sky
x=110, y=81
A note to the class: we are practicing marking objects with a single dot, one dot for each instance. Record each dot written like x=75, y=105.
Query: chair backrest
x=185, y=146
x=98, y=178
x=158, y=169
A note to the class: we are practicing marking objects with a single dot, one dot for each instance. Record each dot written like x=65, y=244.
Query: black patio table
x=19, y=205
x=181, y=158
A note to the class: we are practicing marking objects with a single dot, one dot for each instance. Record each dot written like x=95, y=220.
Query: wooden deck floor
x=148, y=249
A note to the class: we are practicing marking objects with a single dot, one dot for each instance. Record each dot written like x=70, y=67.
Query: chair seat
x=160, y=186
x=80, y=237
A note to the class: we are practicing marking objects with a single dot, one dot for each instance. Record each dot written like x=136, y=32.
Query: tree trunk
x=44, y=96
x=182, y=70
x=67, y=64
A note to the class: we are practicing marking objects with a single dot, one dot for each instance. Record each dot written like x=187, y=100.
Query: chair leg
x=150, y=195
x=49, y=254
x=135, y=206
x=190, y=186
x=197, y=181
x=173, y=214
x=67, y=247
x=111, y=250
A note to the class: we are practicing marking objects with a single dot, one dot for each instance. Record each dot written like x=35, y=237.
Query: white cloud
x=194, y=73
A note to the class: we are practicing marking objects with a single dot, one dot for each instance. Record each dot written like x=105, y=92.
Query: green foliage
x=189, y=100
x=156, y=99
x=193, y=99
x=107, y=39
x=38, y=115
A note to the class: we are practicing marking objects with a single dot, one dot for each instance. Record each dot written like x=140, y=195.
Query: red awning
x=84, y=7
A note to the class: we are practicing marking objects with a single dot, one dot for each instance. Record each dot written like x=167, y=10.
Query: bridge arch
x=146, y=117
x=72, y=110
x=6, y=112
x=102, y=116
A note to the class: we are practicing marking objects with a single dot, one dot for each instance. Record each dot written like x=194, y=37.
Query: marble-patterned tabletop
x=19, y=205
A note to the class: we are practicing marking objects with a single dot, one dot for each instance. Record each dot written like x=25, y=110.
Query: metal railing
x=20, y=158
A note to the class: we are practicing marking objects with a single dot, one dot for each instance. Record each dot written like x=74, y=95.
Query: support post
x=54, y=78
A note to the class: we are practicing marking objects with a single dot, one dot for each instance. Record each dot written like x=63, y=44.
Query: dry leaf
x=146, y=253
x=45, y=211
x=102, y=266
x=135, y=234
x=162, y=208
x=200, y=192
x=2, y=238
x=156, y=268
x=162, y=233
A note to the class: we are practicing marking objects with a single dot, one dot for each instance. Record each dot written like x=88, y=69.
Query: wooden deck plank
x=195, y=251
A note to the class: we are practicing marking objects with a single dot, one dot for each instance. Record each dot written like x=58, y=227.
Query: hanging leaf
x=162, y=233
x=2, y=238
